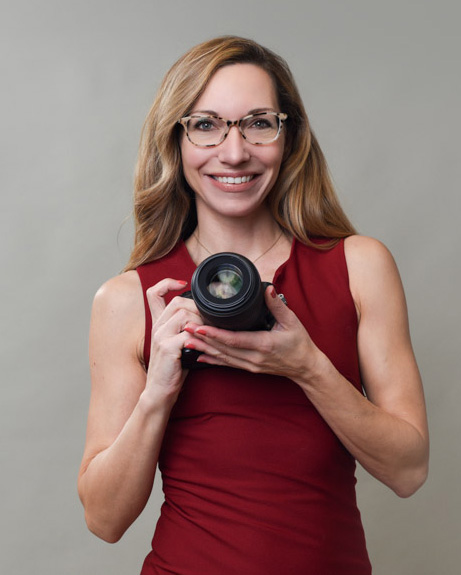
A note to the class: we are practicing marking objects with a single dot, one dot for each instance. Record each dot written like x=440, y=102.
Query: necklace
x=255, y=260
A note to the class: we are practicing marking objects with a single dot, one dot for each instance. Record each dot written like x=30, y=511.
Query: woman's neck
x=247, y=236
x=260, y=239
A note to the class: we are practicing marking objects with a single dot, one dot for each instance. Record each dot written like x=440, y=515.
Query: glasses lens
x=205, y=130
x=226, y=282
x=261, y=128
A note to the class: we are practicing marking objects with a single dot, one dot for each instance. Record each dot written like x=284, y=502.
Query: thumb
x=277, y=305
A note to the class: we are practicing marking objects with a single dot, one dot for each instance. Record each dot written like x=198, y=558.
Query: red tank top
x=255, y=481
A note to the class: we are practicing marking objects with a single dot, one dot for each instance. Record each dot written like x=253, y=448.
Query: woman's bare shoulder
x=119, y=301
x=368, y=258
x=366, y=250
x=372, y=269
x=121, y=290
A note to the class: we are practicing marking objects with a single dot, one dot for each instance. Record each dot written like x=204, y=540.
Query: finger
x=277, y=305
x=173, y=321
x=232, y=345
x=215, y=357
x=156, y=293
x=167, y=344
x=166, y=359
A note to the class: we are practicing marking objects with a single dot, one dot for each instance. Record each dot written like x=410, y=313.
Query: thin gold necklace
x=255, y=260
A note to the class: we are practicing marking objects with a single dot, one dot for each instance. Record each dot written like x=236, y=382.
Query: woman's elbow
x=410, y=481
x=104, y=531
x=104, y=528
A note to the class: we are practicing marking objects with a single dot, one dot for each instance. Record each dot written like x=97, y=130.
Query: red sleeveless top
x=255, y=481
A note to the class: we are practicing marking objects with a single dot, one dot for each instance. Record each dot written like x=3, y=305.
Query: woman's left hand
x=286, y=350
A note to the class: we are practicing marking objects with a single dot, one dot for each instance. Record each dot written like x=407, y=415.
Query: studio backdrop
x=381, y=85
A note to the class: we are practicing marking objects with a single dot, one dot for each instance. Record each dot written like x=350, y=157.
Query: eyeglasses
x=207, y=131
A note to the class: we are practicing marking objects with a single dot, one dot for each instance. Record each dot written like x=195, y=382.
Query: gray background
x=382, y=86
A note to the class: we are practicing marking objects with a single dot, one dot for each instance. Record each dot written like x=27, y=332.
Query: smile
x=232, y=180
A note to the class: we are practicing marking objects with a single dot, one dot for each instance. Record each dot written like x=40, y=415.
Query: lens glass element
x=226, y=282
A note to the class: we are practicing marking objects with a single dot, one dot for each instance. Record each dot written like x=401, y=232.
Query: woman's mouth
x=232, y=179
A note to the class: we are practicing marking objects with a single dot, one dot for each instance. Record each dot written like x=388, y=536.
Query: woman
x=258, y=451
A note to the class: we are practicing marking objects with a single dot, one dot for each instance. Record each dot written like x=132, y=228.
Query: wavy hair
x=302, y=201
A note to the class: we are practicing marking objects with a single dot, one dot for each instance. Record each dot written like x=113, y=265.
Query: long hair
x=302, y=201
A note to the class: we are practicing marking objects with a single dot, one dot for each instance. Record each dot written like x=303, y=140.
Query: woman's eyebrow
x=205, y=112
x=249, y=113
x=260, y=110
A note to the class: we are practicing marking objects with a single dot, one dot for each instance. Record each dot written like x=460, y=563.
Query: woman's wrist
x=315, y=371
x=157, y=400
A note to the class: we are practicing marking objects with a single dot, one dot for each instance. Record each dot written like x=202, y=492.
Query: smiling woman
x=257, y=452
x=302, y=200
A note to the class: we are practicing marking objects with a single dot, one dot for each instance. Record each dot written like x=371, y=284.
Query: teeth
x=231, y=180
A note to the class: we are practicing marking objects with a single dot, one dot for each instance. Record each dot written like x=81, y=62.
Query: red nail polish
x=200, y=331
x=273, y=292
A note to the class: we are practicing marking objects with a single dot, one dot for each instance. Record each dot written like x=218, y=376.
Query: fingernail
x=182, y=282
x=189, y=330
x=200, y=331
x=273, y=292
x=189, y=345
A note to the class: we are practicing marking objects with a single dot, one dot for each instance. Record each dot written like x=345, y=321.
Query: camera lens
x=228, y=292
x=226, y=282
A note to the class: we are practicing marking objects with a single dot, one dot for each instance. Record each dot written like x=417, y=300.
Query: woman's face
x=233, y=92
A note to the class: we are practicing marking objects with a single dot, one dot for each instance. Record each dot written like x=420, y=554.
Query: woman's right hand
x=165, y=373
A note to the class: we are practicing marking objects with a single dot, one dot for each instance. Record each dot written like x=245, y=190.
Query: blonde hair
x=302, y=201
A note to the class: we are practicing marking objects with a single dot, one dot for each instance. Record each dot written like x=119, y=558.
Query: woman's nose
x=234, y=149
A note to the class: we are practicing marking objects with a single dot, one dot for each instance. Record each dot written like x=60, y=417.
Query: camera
x=228, y=293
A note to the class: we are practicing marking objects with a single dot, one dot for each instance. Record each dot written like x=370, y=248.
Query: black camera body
x=229, y=294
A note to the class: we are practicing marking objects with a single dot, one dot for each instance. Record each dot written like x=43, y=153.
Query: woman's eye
x=262, y=124
x=203, y=125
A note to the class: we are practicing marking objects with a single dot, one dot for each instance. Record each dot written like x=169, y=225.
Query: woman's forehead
x=238, y=89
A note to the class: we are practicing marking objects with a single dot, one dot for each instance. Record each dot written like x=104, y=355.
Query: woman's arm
x=128, y=410
x=385, y=431
x=395, y=421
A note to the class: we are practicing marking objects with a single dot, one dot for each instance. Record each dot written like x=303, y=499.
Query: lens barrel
x=229, y=294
